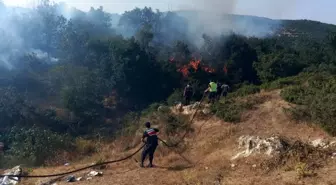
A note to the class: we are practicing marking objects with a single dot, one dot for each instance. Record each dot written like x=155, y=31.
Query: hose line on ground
x=77, y=170
x=109, y=162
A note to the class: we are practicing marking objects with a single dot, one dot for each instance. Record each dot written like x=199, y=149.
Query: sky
x=320, y=10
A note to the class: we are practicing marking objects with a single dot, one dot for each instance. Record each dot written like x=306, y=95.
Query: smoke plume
x=216, y=17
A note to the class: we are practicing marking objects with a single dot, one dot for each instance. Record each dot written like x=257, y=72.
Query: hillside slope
x=211, y=147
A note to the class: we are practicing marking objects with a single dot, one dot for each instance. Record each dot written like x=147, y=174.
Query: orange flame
x=208, y=69
x=184, y=70
x=194, y=64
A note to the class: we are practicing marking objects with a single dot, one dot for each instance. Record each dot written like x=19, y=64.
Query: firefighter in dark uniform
x=188, y=93
x=151, y=144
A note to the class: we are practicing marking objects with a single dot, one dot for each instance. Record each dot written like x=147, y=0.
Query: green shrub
x=129, y=124
x=231, y=109
x=230, y=113
x=172, y=123
x=176, y=123
x=245, y=90
x=151, y=108
x=175, y=98
x=295, y=94
x=279, y=84
x=316, y=98
x=85, y=147
x=33, y=146
x=323, y=111
x=287, y=81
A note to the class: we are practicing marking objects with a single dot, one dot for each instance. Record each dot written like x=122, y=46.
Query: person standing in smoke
x=187, y=94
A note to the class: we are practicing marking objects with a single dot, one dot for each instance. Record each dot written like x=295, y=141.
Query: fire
x=208, y=69
x=194, y=64
x=184, y=70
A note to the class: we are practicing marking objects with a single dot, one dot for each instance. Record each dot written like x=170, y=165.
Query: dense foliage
x=315, y=99
x=78, y=75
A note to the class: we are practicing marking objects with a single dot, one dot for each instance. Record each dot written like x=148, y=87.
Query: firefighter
x=151, y=144
x=212, y=89
x=225, y=89
x=187, y=94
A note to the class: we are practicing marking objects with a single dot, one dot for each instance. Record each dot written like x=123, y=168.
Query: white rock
x=13, y=180
x=195, y=105
x=89, y=178
x=206, y=111
x=161, y=107
x=187, y=110
x=95, y=173
x=256, y=144
x=319, y=143
x=323, y=143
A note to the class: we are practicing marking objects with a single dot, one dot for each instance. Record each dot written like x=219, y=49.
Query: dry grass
x=211, y=149
x=300, y=157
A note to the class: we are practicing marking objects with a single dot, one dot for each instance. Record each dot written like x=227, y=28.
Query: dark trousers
x=212, y=97
x=225, y=93
x=148, y=150
x=218, y=95
x=187, y=100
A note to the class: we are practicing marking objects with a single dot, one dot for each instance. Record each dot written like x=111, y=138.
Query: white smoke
x=43, y=55
x=10, y=42
x=13, y=44
x=215, y=17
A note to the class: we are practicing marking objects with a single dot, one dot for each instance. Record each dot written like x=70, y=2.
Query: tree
x=144, y=37
x=88, y=107
x=133, y=20
x=239, y=57
x=278, y=65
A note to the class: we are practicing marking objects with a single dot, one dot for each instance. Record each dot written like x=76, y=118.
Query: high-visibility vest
x=213, y=87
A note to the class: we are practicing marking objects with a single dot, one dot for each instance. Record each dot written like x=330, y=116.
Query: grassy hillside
x=77, y=79
x=206, y=154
